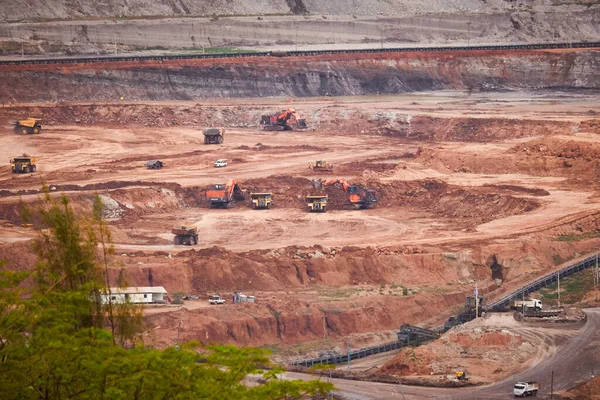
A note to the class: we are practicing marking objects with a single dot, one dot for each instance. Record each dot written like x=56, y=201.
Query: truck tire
x=24, y=131
x=32, y=168
x=176, y=240
x=36, y=130
x=196, y=239
x=220, y=140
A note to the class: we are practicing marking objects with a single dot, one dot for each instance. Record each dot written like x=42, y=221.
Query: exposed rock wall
x=339, y=75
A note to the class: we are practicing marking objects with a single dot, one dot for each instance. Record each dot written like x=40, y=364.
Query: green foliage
x=572, y=289
x=573, y=237
x=53, y=341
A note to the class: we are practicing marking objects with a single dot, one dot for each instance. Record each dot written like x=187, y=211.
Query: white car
x=220, y=163
x=216, y=300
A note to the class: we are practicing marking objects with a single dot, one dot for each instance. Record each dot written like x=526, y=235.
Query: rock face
x=336, y=75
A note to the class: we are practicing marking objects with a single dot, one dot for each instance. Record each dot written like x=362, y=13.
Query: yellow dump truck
x=261, y=200
x=317, y=203
x=28, y=126
x=23, y=164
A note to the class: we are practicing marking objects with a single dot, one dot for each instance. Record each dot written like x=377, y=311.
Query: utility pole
x=552, y=385
x=476, y=301
x=558, y=282
x=348, y=352
x=22, y=50
x=596, y=276
x=116, y=48
x=203, y=51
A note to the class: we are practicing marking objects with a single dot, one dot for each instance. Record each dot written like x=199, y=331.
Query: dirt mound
x=561, y=148
x=589, y=390
x=485, y=352
x=468, y=129
x=451, y=201
x=520, y=189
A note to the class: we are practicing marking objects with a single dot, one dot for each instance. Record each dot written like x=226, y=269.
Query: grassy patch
x=572, y=289
x=573, y=237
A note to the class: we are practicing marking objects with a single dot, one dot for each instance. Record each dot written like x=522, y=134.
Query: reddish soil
x=452, y=208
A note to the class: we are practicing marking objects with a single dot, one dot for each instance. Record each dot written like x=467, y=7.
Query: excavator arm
x=345, y=185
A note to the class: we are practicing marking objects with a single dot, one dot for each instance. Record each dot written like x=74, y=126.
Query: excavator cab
x=280, y=121
x=462, y=375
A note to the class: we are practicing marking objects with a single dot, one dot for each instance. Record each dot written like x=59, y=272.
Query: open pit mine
x=326, y=203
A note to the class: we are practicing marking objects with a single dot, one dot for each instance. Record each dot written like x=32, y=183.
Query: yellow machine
x=23, y=164
x=321, y=165
x=261, y=200
x=28, y=126
x=317, y=203
x=462, y=375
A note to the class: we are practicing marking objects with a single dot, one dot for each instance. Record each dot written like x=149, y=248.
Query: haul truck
x=522, y=389
x=532, y=304
x=261, y=200
x=317, y=203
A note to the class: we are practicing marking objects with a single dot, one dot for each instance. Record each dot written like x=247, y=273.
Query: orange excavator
x=280, y=121
x=222, y=196
x=358, y=197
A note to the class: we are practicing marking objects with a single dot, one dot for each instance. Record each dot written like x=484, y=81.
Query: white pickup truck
x=216, y=300
x=523, y=389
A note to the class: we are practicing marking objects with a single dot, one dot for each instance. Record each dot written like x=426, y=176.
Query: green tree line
x=60, y=340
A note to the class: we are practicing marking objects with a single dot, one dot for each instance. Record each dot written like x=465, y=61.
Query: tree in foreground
x=58, y=340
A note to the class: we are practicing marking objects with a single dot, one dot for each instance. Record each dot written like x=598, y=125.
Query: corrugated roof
x=138, y=289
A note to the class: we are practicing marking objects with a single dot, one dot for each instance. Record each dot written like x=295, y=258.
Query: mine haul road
x=573, y=363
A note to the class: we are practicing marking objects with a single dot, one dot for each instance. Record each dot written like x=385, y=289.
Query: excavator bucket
x=302, y=123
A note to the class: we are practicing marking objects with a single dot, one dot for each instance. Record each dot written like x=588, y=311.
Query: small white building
x=135, y=295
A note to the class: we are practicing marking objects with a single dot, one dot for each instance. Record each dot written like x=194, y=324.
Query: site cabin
x=135, y=295
x=242, y=298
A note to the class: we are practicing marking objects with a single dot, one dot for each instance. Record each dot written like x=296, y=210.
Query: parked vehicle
x=154, y=164
x=215, y=300
x=522, y=389
x=531, y=304
x=213, y=135
x=220, y=163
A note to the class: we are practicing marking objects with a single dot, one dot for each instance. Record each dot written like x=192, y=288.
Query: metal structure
x=421, y=335
x=301, y=53
x=546, y=280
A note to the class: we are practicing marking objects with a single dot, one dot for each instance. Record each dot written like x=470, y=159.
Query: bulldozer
x=462, y=375
x=280, y=121
x=185, y=235
x=317, y=203
x=261, y=200
x=321, y=166
x=358, y=197
x=27, y=126
x=213, y=135
x=23, y=164
x=223, y=195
